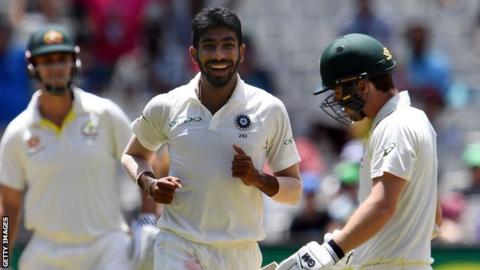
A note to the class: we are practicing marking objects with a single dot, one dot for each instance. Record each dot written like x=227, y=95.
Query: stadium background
x=135, y=49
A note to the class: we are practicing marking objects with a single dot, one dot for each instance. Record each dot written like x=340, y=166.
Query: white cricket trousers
x=394, y=267
x=172, y=252
x=109, y=252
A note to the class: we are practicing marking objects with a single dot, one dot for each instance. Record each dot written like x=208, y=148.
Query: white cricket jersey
x=402, y=142
x=213, y=206
x=69, y=174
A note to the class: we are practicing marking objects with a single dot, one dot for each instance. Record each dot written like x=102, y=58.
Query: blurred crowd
x=132, y=50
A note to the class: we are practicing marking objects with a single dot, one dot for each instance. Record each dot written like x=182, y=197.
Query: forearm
x=135, y=165
x=437, y=231
x=268, y=184
x=283, y=189
x=289, y=190
x=438, y=214
x=365, y=222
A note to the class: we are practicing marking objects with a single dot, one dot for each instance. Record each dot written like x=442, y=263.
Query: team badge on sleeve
x=387, y=149
x=243, y=122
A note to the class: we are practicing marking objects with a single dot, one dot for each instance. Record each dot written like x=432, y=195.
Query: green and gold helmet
x=344, y=62
x=50, y=39
x=353, y=55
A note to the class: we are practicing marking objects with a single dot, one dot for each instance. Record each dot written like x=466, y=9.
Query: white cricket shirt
x=212, y=206
x=69, y=174
x=402, y=142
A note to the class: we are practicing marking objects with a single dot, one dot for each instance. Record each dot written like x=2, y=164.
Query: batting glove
x=144, y=232
x=313, y=256
x=345, y=261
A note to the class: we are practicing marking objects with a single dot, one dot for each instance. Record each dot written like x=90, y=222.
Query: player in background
x=393, y=226
x=60, y=157
x=219, y=132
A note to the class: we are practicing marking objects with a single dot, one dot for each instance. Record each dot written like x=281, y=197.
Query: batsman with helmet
x=394, y=224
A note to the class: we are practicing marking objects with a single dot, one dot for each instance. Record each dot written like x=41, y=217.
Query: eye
x=229, y=45
x=208, y=47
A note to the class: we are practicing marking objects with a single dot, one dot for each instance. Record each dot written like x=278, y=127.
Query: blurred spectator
x=252, y=72
x=14, y=86
x=312, y=161
x=133, y=79
x=28, y=16
x=345, y=202
x=452, y=230
x=461, y=209
x=116, y=25
x=352, y=150
x=95, y=74
x=153, y=67
x=311, y=222
x=471, y=157
x=367, y=22
x=427, y=71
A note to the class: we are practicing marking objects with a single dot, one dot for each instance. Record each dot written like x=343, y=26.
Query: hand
x=345, y=261
x=162, y=190
x=242, y=167
x=312, y=256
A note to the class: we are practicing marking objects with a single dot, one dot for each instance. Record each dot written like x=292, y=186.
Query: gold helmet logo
x=387, y=53
x=53, y=37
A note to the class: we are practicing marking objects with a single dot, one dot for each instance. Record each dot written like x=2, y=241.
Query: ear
x=193, y=54
x=242, y=51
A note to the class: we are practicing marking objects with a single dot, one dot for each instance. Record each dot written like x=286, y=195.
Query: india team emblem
x=243, y=122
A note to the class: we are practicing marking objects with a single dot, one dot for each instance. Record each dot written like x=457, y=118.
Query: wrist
x=145, y=179
x=335, y=250
x=261, y=179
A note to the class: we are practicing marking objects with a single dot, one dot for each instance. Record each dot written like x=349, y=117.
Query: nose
x=219, y=54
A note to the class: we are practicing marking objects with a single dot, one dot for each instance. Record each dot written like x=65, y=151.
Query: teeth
x=219, y=66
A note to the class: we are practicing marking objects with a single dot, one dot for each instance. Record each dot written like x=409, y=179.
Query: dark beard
x=218, y=81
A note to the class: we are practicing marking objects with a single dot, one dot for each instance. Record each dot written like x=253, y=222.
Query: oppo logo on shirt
x=184, y=120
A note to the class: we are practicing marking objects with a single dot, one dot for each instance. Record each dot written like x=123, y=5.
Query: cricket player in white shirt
x=394, y=224
x=219, y=132
x=60, y=158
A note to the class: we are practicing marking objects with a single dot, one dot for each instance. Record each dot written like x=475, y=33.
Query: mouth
x=219, y=69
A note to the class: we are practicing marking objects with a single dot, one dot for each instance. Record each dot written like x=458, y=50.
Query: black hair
x=215, y=17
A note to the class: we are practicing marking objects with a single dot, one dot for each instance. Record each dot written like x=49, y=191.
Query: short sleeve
x=121, y=132
x=281, y=148
x=394, y=151
x=149, y=127
x=11, y=170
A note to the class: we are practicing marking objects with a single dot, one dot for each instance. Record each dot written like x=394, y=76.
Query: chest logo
x=243, y=122
x=90, y=128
